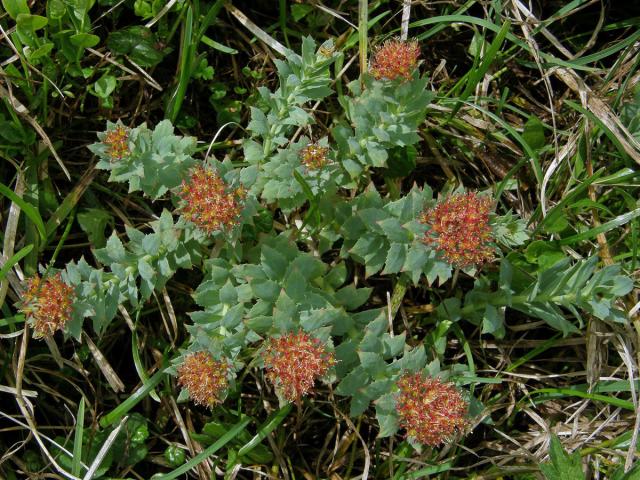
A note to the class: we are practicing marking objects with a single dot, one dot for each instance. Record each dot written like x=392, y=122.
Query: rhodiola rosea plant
x=289, y=230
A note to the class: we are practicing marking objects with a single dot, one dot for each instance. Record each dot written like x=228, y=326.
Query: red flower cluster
x=395, y=59
x=430, y=411
x=459, y=228
x=294, y=362
x=208, y=203
x=48, y=304
x=205, y=379
x=117, y=141
x=313, y=156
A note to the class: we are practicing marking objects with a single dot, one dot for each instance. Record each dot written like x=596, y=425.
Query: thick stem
x=363, y=18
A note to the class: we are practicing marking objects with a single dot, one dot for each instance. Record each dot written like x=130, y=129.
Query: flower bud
x=117, y=142
x=314, y=156
x=395, y=59
x=431, y=412
x=48, y=304
x=459, y=228
x=205, y=379
x=294, y=362
x=208, y=202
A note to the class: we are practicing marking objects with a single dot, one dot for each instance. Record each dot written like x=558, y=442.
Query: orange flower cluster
x=204, y=378
x=48, y=304
x=430, y=411
x=117, y=141
x=313, y=156
x=208, y=203
x=459, y=228
x=294, y=362
x=395, y=59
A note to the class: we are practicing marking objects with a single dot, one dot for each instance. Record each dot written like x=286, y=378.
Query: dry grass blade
x=172, y=314
x=406, y=16
x=107, y=370
x=27, y=409
x=55, y=352
x=596, y=105
x=11, y=229
x=24, y=113
x=13, y=391
x=602, y=111
x=547, y=83
x=104, y=450
x=145, y=75
x=204, y=469
x=365, y=448
x=336, y=14
x=14, y=280
x=161, y=13
x=256, y=30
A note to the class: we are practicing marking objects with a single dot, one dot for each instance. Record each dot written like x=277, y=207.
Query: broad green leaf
x=84, y=40
x=15, y=7
x=534, y=133
x=31, y=23
x=105, y=86
x=351, y=297
x=562, y=466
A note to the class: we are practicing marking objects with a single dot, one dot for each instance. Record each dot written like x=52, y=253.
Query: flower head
x=117, y=142
x=430, y=411
x=294, y=362
x=314, y=156
x=395, y=59
x=208, y=201
x=459, y=228
x=47, y=304
x=204, y=378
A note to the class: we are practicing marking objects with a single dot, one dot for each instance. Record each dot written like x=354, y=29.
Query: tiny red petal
x=459, y=228
x=48, y=304
x=205, y=378
x=431, y=412
x=314, y=156
x=294, y=362
x=208, y=201
x=395, y=59
x=117, y=142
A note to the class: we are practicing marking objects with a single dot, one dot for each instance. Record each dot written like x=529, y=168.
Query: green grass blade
x=135, y=398
x=210, y=450
x=70, y=201
x=186, y=61
x=605, y=227
x=606, y=52
x=439, y=27
x=607, y=131
x=209, y=18
x=63, y=238
x=77, y=440
x=14, y=259
x=567, y=199
x=533, y=353
x=29, y=210
x=569, y=392
x=137, y=361
x=265, y=429
x=353, y=38
x=11, y=321
x=532, y=155
x=450, y=20
x=487, y=60
x=426, y=472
